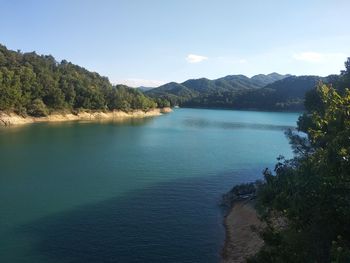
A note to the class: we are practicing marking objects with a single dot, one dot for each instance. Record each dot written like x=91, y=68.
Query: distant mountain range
x=144, y=89
x=37, y=85
x=265, y=92
x=203, y=85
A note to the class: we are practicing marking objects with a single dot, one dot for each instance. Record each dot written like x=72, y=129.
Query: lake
x=142, y=190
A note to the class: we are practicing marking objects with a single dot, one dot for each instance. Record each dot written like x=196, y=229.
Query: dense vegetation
x=211, y=93
x=36, y=85
x=311, y=192
x=286, y=94
x=262, y=92
x=176, y=93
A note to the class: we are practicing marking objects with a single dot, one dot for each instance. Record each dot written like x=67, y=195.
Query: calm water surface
x=138, y=191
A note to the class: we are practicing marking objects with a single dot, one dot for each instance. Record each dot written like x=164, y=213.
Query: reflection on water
x=135, y=121
x=205, y=123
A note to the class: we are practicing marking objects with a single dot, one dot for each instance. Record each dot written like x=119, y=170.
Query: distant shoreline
x=12, y=119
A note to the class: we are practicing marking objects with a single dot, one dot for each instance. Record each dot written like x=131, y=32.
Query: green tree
x=312, y=191
x=38, y=108
x=10, y=91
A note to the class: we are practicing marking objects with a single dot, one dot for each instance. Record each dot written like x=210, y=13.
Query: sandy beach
x=241, y=241
x=12, y=119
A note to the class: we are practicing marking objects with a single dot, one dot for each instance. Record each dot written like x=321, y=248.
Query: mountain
x=201, y=85
x=174, y=92
x=236, y=82
x=285, y=94
x=243, y=82
x=293, y=86
x=144, y=89
x=262, y=92
x=192, y=90
x=264, y=80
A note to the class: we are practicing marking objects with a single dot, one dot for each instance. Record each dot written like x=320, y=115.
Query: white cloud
x=140, y=82
x=242, y=61
x=315, y=57
x=308, y=56
x=192, y=58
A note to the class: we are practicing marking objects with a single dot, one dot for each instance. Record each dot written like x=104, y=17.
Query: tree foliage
x=312, y=191
x=35, y=85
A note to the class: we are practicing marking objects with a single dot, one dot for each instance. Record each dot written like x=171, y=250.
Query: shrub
x=38, y=108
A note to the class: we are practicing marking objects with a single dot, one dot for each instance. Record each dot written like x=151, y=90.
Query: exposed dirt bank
x=241, y=241
x=10, y=119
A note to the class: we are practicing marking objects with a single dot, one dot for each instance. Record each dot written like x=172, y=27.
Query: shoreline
x=240, y=239
x=12, y=119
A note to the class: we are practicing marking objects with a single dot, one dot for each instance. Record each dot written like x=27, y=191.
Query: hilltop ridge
x=262, y=92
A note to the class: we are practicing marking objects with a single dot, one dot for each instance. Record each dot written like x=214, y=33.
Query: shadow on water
x=178, y=221
x=63, y=125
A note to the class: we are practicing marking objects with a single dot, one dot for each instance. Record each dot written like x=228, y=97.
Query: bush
x=38, y=108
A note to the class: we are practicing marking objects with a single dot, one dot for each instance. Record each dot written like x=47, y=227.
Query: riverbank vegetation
x=37, y=85
x=311, y=192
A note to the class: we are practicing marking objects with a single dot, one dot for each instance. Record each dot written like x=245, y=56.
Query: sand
x=12, y=119
x=241, y=241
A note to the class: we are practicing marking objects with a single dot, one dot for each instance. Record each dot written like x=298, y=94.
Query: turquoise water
x=135, y=191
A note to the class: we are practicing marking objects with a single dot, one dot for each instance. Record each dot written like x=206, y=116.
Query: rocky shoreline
x=12, y=119
x=241, y=224
x=241, y=240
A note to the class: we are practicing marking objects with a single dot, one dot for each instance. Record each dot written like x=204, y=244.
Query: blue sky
x=151, y=42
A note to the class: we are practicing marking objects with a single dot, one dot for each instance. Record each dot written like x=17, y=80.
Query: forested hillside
x=286, y=94
x=37, y=84
x=209, y=93
x=173, y=92
x=260, y=92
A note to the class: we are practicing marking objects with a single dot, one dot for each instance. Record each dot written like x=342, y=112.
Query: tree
x=312, y=191
x=10, y=90
x=38, y=108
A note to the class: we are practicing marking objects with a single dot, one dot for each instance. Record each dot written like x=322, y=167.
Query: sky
x=151, y=42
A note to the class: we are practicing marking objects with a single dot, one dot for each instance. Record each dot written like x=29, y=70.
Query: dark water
x=138, y=191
